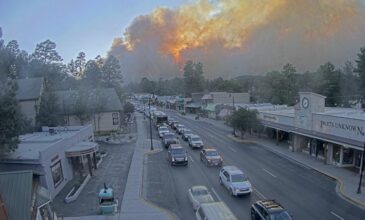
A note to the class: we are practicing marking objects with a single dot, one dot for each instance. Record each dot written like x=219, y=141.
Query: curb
x=339, y=184
x=167, y=212
x=241, y=140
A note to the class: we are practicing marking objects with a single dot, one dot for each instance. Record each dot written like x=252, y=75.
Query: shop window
x=115, y=118
x=336, y=153
x=348, y=156
x=57, y=174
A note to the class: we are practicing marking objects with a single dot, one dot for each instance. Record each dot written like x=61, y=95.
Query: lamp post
x=361, y=170
x=149, y=107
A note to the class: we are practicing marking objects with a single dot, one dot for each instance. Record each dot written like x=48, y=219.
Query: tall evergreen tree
x=360, y=69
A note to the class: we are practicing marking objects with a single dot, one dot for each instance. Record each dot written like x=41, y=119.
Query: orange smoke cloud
x=235, y=25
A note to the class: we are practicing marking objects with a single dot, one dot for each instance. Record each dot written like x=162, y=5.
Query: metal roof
x=29, y=89
x=16, y=190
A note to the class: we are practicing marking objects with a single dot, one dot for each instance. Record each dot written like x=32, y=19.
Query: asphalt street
x=305, y=193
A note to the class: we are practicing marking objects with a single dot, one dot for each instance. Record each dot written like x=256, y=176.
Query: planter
x=74, y=193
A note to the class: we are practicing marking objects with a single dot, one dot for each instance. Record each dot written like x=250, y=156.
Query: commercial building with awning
x=335, y=135
x=59, y=153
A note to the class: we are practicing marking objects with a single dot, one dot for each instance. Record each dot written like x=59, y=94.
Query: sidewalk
x=134, y=207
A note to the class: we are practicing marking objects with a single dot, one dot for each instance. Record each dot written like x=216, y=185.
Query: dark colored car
x=168, y=139
x=211, y=157
x=186, y=133
x=268, y=209
x=177, y=155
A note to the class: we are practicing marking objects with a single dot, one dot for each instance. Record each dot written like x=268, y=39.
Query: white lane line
x=232, y=149
x=258, y=193
x=339, y=217
x=216, y=194
x=269, y=172
x=191, y=158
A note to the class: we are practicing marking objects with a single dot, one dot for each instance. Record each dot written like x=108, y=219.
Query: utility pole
x=149, y=106
x=361, y=170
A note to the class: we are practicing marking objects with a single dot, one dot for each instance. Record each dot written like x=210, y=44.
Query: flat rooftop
x=31, y=144
x=330, y=111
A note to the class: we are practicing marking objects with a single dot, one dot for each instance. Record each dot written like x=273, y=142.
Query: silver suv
x=234, y=180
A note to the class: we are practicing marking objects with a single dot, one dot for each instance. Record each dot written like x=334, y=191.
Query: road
x=305, y=193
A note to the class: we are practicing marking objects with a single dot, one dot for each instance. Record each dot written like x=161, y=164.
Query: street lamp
x=149, y=107
x=361, y=170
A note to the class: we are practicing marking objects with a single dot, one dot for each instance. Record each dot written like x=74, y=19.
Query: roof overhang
x=82, y=148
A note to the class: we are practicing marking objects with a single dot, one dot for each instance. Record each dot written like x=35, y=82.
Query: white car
x=162, y=130
x=235, y=181
x=198, y=195
x=196, y=142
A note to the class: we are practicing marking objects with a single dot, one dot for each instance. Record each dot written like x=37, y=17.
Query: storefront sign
x=271, y=118
x=358, y=130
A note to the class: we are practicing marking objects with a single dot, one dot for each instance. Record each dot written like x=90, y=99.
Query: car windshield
x=163, y=129
x=200, y=192
x=238, y=178
x=212, y=153
x=196, y=139
x=178, y=151
x=280, y=216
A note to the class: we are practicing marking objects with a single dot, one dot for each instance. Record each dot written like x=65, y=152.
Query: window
x=115, y=118
x=57, y=174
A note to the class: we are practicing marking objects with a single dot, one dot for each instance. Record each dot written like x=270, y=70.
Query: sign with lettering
x=340, y=126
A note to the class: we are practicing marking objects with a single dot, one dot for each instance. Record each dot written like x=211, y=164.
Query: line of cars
x=232, y=178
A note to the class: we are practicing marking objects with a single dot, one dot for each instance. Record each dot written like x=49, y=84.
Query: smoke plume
x=235, y=37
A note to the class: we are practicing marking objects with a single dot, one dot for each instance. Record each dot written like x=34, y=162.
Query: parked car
x=169, y=138
x=179, y=128
x=162, y=130
x=269, y=209
x=186, y=133
x=199, y=195
x=196, y=142
x=177, y=155
x=211, y=157
x=235, y=181
x=214, y=211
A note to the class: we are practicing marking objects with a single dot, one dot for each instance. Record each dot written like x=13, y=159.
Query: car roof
x=175, y=146
x=193, y=136
x=217, y=210
x=271, y=205
x=232, y=170
x=199, y=187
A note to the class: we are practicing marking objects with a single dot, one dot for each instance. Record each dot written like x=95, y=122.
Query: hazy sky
x=75, y=25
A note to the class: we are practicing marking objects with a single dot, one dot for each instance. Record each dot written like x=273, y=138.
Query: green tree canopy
x=243, y=120
x=193, y=77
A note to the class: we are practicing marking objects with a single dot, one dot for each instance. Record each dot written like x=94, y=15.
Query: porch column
x=341, y=155
x=89, y=164
x=94, y=160
x=329, y=156
x=361, y=161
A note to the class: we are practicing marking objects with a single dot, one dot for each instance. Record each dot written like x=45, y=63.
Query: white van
x=214, y=211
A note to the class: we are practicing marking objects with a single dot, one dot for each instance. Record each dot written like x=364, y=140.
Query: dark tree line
x=45, y=62
x=343, y=86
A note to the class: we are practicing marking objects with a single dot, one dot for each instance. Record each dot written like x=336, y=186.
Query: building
x=334, y=135
x=100, y=107
x=28, y=95
x=59, y=153
x=22, y=197
x=225, y=98
x=194, y=106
